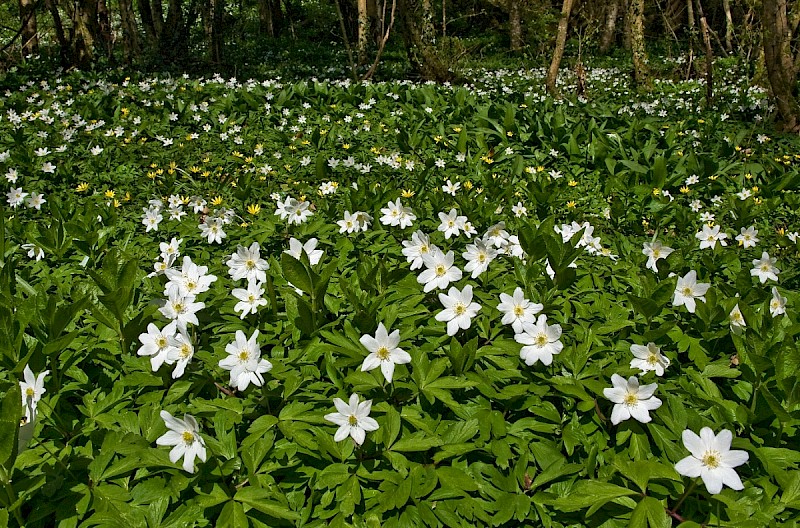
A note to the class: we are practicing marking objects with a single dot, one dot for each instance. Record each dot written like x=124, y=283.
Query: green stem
x=10, y=493
x=686, y=493
x=273, y=301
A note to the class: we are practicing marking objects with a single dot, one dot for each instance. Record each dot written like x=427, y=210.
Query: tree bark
x=84, y=22
x=558, y=52
x=776, y=40
x=709, y=54
x=130, y=31
x=418, y=34
x=149, y=23
x=363, y=32
x=636, y=28
x=104, y=28
x=515, y=24
x=61, y=37
x=726, y=5
x=610, y=27
x=265, y=24
x=30, y=37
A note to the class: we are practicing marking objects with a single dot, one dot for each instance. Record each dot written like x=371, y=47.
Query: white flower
x=655, y=251
x=712, y=459
x=394, y=214
x=384, y=352
x=245, y=362
x=478, y=257
x=417, y=249
x=181, y=309
x=298, y=212
x=170, y=251
x=212, y=229
x=519, y=210
x=34, y=251
x=688, y=290
x=296, y=248
x=158, y=343
x=247, y=263
x=353, y=419
x=349, y=223
x=777, y=305
x=451, y=188
x=737, y=319
x=184, y=435
x=190, y=280
x=542, y=341
x=748, y=237
x=458, y=309
x=709, y=237
x=35, y=201
x=439, y=272
x=518, y=310
x=181, y=354
x=451, y=223
x=15, y=197
x=498, y=235
x=32, y=390
x=249, y=299
x=649, y=358
x=764, y=268
x=151, y=220
x=631, y=399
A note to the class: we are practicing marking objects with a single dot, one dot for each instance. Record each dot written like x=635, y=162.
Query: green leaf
x=10, y=415
x=232, y=516
x=261, y=499
x=650, y=512
x=416, y=442
x=295, y=272
x=591, y=494
x=456, y=479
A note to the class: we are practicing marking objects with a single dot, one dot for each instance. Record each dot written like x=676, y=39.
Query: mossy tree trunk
x=558, y=52
x=30, y=36
x=777, y=39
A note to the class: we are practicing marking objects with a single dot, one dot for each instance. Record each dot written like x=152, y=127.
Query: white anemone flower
x=458, y=309
x=542, y=341
x=245, y=362
x=384, y=352
x=631, y=400
x=688, y=291
x=712, y=459
x=518, y=310
x=184, y=435
x=353, y=419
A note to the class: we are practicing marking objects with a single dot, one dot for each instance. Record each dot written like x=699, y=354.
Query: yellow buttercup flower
x=656, y=191
x=407, y=193
x=109, y=193
x=254, y=209
x=82, y=187
x=572, y=183
x=685, y=190
x=468, y=185
x=217, y=200
x=571, y=204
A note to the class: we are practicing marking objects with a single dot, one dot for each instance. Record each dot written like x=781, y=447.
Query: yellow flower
x=254, y=209
x=437, y=138
x=685, y=190
x=217, y=200
x=748, y=176
x=237, y=154
x=509, y=133
x=109, y=193
x=540, y=168
x=302, y=198
x=249, y=159
x=456, y=129
x=755, y=189
x=713, y=177
x=205, y=174
x=116, y=203
x=346, y=146
x=206, y=159
x=757, y=200
x=244, y=224
x=83, y=187
x=781, y=231
x=305, y=142
x=479, y=190
x=571, y=204
x=572, y=183
x=407, y=193
x=194, y=169
x=656, y=191
x=127, y=197
x=468, y=185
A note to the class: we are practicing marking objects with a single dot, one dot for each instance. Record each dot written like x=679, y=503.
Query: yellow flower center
x=686, y=291
x=250, y=264
x=382, y=353
x=440, y=270
x=188, y=437
x=540, y=339
x=30, y=392
x=244, y=355
x=711, y=459
x=519, y=311
x=352, y=420
x=460, y=309
x=631, y=399
x=652, y=359
x=186, y=350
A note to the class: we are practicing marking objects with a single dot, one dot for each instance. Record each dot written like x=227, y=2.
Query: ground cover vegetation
x=239, y=302
x=387, y=268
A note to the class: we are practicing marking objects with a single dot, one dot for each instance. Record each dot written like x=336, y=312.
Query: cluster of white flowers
x=292, y=210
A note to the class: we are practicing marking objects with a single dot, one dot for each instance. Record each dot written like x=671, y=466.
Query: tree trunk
x=84, y=22
x=636, y=27
x=104, y=28
x=515, y=24
x=217, y=18
x=130, y=31
x=61, y=37
x=149, y=23
x=265, y=24
x=610, y=27
x=726, y=5
x=709, y=54
x=778, y=61
x=558, y=52
x=363, y=32
x=30, y=37
x=417, y=28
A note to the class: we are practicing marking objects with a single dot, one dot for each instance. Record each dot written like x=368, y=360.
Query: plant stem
x=674, y=511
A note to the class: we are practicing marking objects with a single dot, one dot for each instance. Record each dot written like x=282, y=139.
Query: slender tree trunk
x=265, y=24
x=61, y=37
x=558, y=52
x=130, y=31
x=30, y=37
x=217, y=18
x=636, y=16
x=149, y=23
x=158, y=16
x=778, y=60
x=709, y=54
x=515, y=24
x=419, y=37
x=84, y=21
x=726, y=5
x=444, y=18
x=610, y=27
x=104, y=28
x=363, y=32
